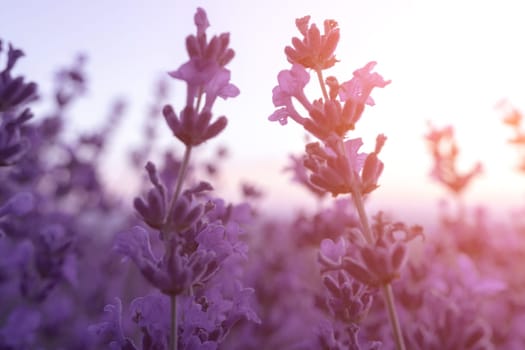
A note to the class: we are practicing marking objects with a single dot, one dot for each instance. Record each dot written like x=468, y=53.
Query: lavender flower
x=14, y=92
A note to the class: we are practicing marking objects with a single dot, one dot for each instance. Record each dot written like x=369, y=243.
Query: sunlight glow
x=450, y=63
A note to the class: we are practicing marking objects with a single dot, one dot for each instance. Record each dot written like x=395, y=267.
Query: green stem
x=388, y=295
x=166, y=230
x=359, y=204
x=173, y=340
x=180, y=180
x=321, y=82
x=199, y=100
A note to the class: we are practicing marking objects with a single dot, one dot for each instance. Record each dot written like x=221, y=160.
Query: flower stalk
x=180, y=178
x=336, y=165
x=173, y=325
x=321, y=82
x=173, y=297
x=357, y=196
x=388, y=294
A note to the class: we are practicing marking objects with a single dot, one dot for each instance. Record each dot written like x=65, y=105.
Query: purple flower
x=18, y=205
x=339, y=168
x=381, y=263
x=336, y=166
x=443, y=325
x=328, y=118
x=219, y=86
x=205, y=68
x=110, y=330
x=176, y=271
x=153, y=208
x=199, y=327
x=332, y=116
x=20, y=329
x=192, y=127
x=333, y=252
x=348, y=300
x=300, y=175
x=13, y=145
x=151, y=316
x=213, y=238
x=14, y=95
x=372, y=167
x=211, y=315
x=291, y=84
x=14, y=92
x=358, y=88
x=340, y=336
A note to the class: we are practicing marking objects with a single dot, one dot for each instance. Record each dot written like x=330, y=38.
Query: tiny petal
x=280, y=115
x=358, y=272
x=171, y=119
x=331, y=284
x=215, y=128
x=201, y=21
x=294, y=80
x=398, y=256
x=334, y=251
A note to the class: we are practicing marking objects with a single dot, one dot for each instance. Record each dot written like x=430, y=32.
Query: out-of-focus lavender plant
x=461, y=289
x=445, y=151
x=468, y=255
x=15, y=93
x=52, y=203
x=513, y=118
x=336, y=166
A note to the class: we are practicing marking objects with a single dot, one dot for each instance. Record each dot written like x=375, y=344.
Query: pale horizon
x=449, y=62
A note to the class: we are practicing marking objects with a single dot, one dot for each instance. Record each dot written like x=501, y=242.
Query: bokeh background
x=450, y=62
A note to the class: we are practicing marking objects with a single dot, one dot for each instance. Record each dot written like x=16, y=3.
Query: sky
x=450, y=62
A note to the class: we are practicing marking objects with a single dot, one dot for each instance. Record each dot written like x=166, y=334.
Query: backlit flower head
x=329, y=118
x=358, y=88
x=335, y=166
x=373, y=167
x=335, y=115
x=314, y=50
x=355, y=93
x=291, y=85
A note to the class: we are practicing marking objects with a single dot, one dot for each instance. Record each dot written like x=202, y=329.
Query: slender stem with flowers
x=180, y=216
x=369, y=238
x=336, y=166
x=176, y=193
x=388, y=294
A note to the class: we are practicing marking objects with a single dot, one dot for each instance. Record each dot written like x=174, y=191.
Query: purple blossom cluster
x=179, y=267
